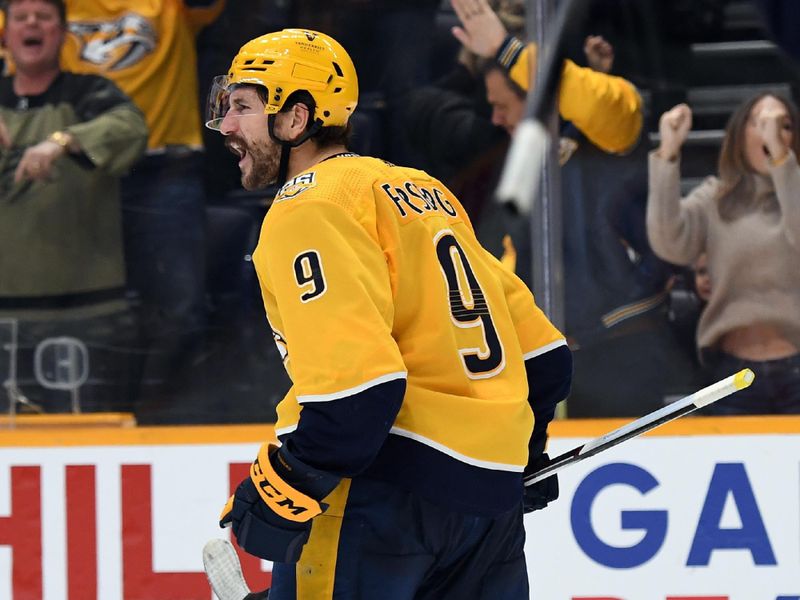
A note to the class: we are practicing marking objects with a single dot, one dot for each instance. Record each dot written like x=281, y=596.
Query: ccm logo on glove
x=284, y=500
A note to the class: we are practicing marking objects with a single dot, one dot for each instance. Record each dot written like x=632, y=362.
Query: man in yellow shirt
x=148, y=49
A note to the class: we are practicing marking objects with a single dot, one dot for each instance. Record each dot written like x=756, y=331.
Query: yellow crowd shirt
x=371, y=273
x=607, y=109
x=147, y=47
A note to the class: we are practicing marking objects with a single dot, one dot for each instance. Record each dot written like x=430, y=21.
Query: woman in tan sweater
x=747, y=221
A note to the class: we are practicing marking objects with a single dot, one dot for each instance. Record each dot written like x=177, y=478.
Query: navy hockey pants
x=377, y=542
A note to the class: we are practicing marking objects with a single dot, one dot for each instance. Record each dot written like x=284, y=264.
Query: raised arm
x=605, y=108
x=773, y=125
x=676, y=228
x=481, y=30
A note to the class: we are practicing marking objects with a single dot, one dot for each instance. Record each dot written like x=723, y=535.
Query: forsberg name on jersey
x=411, y=199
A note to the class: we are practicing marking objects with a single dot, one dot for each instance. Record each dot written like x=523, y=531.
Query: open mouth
x=766, y=152
x=238, y=149
x=32, y=42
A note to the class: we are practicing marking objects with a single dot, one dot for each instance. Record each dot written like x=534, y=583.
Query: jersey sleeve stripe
x=353, y=390
x=484, y=464
x=544, y=349
x=285, y=430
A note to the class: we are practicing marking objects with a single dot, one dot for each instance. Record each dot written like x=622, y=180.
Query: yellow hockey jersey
x=372, y=272
x=147, y=47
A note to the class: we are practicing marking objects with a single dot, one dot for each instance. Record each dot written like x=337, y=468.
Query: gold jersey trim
x=483, y=464
x=285, y=430
x=353, y=390
x=544, y=349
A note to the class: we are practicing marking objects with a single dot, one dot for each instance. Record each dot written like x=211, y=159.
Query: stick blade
x=224, y=571
x=521, y=177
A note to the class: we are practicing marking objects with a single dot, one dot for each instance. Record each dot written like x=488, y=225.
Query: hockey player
x=424, y=375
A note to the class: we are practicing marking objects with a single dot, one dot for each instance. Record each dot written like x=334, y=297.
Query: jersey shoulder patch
x=298, y=185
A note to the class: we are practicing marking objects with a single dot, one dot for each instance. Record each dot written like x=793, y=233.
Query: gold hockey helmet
x=287, y=61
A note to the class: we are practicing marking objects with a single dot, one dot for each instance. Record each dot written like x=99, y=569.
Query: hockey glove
x=541, y=493
x=270, y=518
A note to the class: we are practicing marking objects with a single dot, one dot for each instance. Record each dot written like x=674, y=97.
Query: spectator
x=450, y=128
x=702, y=280
x=615, y=287
x=747, y=221
x=148, y=49
x=65, y=140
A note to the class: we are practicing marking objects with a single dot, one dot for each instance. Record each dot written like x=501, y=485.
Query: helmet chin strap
x=286, y=146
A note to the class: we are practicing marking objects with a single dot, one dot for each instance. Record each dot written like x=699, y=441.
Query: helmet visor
x=218, y=102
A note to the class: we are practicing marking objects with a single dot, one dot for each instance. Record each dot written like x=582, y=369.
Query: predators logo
x=114, y=45
x=280, y=342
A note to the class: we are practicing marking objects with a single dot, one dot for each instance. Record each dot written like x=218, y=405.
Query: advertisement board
x=689, y=517
x=704, y=509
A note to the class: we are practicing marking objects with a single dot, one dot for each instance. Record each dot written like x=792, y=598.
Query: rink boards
x=699, y=509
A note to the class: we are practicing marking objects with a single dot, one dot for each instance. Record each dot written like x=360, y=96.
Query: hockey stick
x=520, y=179
x=679, y=408
x=224, y=572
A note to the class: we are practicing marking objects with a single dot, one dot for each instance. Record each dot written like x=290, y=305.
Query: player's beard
x=264, y=161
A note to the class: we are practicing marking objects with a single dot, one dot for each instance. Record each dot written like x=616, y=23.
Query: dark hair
x=338, y=135
x=59, y=4
x=487, y=65
x=736, y=194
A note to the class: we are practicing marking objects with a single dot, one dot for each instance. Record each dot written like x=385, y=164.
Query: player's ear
x=300, y=119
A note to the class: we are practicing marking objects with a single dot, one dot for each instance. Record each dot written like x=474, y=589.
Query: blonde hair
x=512, y=16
